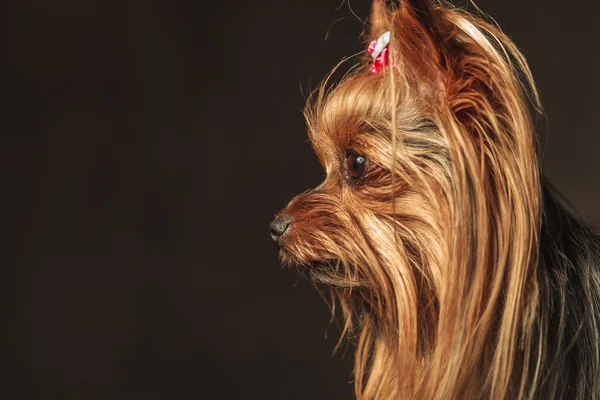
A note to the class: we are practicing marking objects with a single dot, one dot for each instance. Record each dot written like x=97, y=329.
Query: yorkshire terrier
x=459, y=269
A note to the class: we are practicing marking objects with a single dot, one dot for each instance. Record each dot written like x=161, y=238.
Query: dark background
x=146, y=146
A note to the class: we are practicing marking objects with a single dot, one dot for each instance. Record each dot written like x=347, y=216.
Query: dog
x=460, y=272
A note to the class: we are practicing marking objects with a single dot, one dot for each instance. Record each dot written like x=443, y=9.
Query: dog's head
x=426, y=220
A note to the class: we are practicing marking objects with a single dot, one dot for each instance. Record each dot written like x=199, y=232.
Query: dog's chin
x=303, y=266
x=325, y=271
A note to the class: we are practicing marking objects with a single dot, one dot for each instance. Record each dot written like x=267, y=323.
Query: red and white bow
x=379, y=51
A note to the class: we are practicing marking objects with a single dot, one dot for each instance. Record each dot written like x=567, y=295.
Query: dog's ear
x=416, y=48
x=413, y=27
x=404, y=17
x=428, y=15
x=422, y=9
x=380, y=19
x=382, y=11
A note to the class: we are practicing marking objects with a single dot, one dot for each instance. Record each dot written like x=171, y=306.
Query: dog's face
x=374, y=229
x=362, y=221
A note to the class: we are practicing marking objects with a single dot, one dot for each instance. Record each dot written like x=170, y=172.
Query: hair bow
x=379, y=51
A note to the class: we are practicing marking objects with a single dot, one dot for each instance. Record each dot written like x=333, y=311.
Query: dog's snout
x=279, y=226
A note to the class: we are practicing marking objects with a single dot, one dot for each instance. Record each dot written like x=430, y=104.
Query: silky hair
x=459, y=271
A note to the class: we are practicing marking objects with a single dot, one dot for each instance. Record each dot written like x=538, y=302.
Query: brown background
x=146, y=146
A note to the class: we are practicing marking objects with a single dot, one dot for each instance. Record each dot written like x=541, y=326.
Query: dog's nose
x=279, y=226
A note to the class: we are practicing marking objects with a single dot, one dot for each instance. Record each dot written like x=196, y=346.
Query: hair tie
x=379, y=51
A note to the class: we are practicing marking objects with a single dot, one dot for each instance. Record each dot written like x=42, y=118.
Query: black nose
x=279, y=226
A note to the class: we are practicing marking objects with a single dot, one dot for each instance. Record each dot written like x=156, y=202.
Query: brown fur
x=433, y=253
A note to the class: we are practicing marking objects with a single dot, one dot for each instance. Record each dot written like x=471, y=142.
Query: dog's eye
x=355, y=165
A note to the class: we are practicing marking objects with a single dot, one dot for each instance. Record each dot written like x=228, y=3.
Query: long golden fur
x=460, y=271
